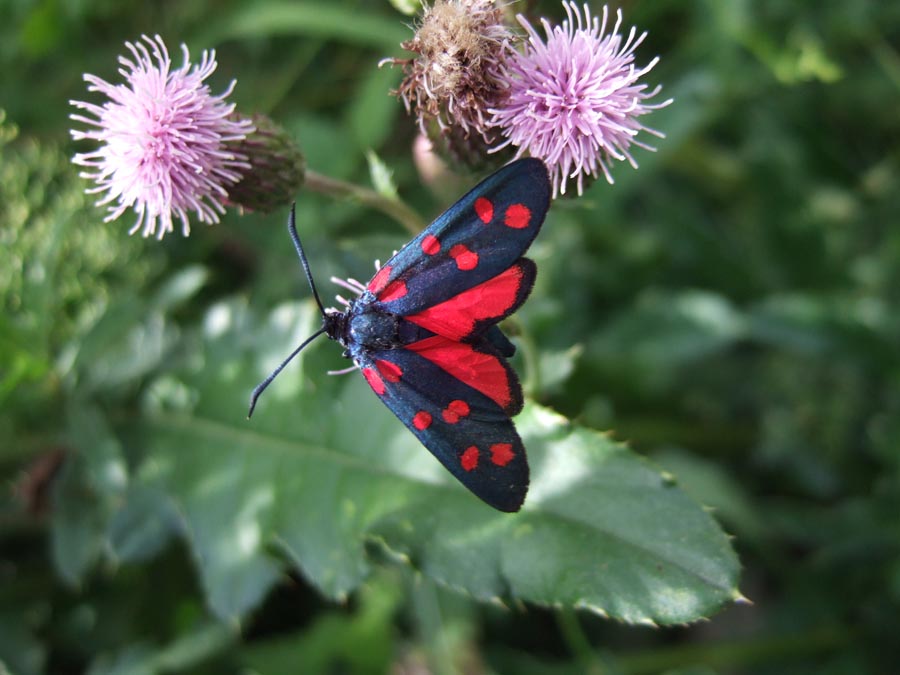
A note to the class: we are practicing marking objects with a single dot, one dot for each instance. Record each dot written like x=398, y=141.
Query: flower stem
x=394, y=208
x=740, y=653
x=531, y=383
x=577, y=641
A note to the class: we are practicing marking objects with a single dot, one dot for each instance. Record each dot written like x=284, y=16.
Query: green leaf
x=133, y=335
x=555, y=367
x=181, y=655
x=711, y=485
x=348, y=24
x=601, y=529
x=408, y=7
x=324, y=468
x=20, y=651
x=372, y=119
x=326, y=145
x=87, y=494
x=382, y=176
x=665, y=332
x=142, y=526
x=322, y=647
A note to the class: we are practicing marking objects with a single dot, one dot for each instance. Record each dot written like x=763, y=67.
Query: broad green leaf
x=801, y=58
x=372, y=120
x=126, y=342
x=181, y=655
x=142, y=526
x=601, y=529
x=331, y=21
x=59, y=268
x=712, y=485
x=321, y=647
x=664, y=332
x=92, y=482
x=20, y=650
x=555, y=367
x=326, y=145
x=133, y=335
x=323, y=469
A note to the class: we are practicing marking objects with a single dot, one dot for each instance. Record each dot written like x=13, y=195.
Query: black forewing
x=468, y=432
x=477, y=238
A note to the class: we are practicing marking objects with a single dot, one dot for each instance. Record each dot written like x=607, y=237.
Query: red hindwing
x=482, y=371
x=488, y=302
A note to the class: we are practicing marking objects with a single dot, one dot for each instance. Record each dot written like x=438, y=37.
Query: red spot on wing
x=482, y=372
x=502, y=453
x=484, y=209
x=379, y=281
x=466, y=259
x=455, y=318
x=430, y=245
x=374, y=381
x=422, y=420
x=454, y=411
x=518, y=217
x=469, y=458
x=396, y=289
x=389, y=371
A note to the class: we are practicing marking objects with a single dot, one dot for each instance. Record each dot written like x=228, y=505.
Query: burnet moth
x=423, y=330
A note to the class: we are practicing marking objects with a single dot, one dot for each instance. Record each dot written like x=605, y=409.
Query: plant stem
x=394, y=208
x=736, y=654
x=532, y=381
x=431, y=627
x=577, y=642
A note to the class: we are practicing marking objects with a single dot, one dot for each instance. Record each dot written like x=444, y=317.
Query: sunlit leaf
x=323, y=469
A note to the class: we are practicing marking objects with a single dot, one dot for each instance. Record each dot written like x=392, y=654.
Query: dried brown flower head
x=458, y=73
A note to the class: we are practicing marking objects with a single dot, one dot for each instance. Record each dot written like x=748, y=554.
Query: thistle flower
x=163, y=139
x=458, y=71
x=575, y=100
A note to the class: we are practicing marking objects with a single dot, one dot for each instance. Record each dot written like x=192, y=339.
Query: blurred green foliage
x=730, y=310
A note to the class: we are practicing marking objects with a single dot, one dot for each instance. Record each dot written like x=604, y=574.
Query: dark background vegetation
x=730, y=310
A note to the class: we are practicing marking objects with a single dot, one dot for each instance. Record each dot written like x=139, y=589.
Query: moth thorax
x=373, y=330
x=335, y=324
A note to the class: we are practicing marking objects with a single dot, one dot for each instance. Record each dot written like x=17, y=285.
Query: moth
x=424, y=332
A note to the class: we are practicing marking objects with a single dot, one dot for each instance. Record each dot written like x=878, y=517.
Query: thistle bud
x=277, y=168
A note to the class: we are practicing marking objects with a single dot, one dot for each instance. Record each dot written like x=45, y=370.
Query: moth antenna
x=261, y=387
x=292, y=229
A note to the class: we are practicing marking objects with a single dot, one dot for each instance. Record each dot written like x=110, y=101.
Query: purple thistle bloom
x=575, y=100
x=163, y=140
